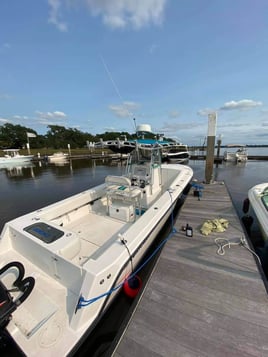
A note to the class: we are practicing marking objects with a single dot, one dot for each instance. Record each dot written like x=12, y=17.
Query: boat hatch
x=43, y=231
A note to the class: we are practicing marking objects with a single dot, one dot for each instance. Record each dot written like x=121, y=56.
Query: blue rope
x=83, y=302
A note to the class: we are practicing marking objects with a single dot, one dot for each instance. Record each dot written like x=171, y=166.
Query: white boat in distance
x=77, y=253
x=12, y=156
x=58, y=156
x=258, y=198
x=177, y=153
x=236, y=155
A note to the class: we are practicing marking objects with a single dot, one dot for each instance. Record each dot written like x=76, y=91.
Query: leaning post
x=212, y=120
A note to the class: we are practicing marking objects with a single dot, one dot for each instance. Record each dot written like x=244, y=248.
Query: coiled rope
x=223, y=242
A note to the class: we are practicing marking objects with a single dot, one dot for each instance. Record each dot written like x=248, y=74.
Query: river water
x=24, y=189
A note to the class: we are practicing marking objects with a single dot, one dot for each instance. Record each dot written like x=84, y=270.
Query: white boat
x=77, y=253
x=120, y=146
x=58, y=156
x=12, y=156
x=178, y=153
x=235, y=153
x=171, y=150
x=258, y=199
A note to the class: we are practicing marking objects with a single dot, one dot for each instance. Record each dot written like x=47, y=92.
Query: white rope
x=223, y=242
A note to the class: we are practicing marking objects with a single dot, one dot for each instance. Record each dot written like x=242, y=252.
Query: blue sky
x=94, y=65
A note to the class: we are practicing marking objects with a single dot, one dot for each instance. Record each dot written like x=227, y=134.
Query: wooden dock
x=197, y=302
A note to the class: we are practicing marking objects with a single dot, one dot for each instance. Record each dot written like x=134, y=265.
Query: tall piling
x=212, y=120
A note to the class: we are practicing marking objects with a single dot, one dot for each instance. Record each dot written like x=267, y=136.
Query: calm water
x=24, y=189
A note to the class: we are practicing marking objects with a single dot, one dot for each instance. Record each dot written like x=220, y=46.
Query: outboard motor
x=7, y=303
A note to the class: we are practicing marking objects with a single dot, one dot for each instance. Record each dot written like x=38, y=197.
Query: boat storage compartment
x=122, y=211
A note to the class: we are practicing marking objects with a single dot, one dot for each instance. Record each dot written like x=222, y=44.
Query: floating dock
x=198, y=302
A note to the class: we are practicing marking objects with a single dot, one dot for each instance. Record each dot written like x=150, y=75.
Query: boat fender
x=246, y=204
x=132, y=286
x=247, y=221
x=7, y=304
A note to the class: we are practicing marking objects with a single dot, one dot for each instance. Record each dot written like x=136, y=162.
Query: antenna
x=115, y=87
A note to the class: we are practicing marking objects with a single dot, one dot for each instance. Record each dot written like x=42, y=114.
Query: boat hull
x=258, y=203
x=16, y=160
x=81, y=250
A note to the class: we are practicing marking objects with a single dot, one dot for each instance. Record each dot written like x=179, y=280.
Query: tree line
x=57, y=137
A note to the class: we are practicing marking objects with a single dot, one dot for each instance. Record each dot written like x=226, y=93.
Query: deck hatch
x=43, y=231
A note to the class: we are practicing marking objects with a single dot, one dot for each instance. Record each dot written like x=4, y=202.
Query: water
x=25, y=189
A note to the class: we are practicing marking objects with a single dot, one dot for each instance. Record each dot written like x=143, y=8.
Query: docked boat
x=12, y=156
x=177, y=152
x=120, y=146
x=235, y=153
x=58, y=157
x=62, y=265
x=171, y=150
x=258, y=200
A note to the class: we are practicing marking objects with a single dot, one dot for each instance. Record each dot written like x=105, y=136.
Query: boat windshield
x=142, y=155
x=264, y=197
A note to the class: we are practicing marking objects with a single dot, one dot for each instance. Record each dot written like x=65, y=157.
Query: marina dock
x=201, y=300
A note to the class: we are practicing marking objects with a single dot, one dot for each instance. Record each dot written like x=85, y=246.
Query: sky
x=94, y=65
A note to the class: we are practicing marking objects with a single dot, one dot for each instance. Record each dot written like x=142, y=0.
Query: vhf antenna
x=116, y=88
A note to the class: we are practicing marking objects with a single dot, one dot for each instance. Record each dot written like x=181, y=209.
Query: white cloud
x=153, y=48
x=5, y=96
x=109, y=129
x=51, y=115
x=121, y=13
x=171, y=127
x=3, y=120
x=174, y=114
x=20, y=117
x=124, y=110
x=54, y=15
x=114, y=13
x=4, y=47
x=205, y=112
x=240, y=105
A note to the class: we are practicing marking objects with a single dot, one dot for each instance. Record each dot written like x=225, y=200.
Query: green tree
x=14, y=136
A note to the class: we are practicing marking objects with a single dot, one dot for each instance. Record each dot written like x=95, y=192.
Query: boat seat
x=117, y=180
x=120, y=187
x=71, y=249
x=122, y=196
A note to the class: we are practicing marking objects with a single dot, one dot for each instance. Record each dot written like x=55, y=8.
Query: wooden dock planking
x=199, y=303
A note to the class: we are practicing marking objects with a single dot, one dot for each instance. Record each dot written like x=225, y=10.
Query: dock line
x=241, y=242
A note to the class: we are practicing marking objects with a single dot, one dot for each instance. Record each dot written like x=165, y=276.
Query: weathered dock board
x=199, y=303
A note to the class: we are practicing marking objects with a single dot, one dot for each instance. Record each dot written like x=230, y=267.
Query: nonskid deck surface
x=95, y=230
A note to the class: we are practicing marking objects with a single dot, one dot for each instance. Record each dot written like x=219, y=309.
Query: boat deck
x=197, y=302
x=95, y=229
